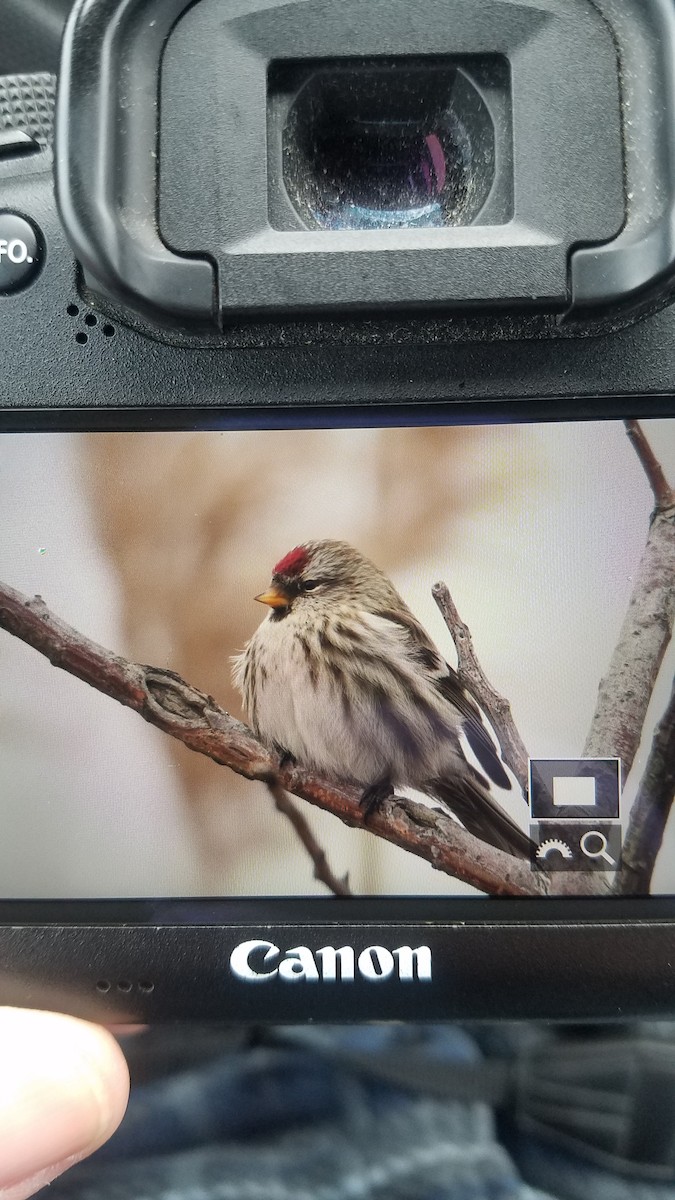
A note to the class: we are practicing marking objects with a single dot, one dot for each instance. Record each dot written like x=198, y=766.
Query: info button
x=20, y=252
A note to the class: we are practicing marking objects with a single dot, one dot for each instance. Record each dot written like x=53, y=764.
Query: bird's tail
x=482, y=816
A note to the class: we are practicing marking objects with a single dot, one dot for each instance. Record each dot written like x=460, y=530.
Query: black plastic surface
x=31, y=34
x=15, y=142
x=437, y=360
x=106, y=146
x=483, y=968
x=644, y=253
x=27, y=105
x=105, y=109
x=214, y=159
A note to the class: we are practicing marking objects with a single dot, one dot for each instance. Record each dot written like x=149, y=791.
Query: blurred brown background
x=192, y=522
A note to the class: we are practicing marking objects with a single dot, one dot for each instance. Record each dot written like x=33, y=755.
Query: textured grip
x=27, y=102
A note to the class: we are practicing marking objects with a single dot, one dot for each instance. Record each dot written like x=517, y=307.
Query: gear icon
x=554, y=846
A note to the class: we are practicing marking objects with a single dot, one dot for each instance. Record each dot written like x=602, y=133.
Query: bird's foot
x=286, y=759
x=373, y=796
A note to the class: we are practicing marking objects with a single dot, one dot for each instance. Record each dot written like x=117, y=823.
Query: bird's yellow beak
x=274, y=597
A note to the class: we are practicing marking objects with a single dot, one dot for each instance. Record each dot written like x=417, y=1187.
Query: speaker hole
x=109, y=330
x=124, y=985
x=146, y=986
x=90, y=319
x=103, y=986
x=81, y=338
x=72, y=310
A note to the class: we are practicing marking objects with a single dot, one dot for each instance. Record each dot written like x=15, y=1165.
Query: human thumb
x=64, y=1087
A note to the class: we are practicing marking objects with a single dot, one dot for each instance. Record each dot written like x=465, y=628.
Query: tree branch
x=664, y=495
x=322, y=871
x=471, y=675
x=651, y=809
x=167, y=701
x=626, y=690
x=514, y=751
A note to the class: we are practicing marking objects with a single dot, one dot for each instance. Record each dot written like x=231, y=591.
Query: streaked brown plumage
x=342, y=676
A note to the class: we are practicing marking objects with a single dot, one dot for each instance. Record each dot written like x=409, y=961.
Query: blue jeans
x=288, y=1121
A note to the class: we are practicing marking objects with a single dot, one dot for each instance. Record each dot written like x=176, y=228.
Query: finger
x=64, y=1087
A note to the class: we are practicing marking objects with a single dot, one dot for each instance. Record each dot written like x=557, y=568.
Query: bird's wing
x=446, y=682
x=482, y=816
x=475, y=731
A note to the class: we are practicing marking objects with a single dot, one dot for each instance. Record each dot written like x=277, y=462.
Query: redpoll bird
x=341, y=677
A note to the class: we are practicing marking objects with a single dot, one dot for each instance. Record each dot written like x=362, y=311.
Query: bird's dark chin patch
x=278, y=614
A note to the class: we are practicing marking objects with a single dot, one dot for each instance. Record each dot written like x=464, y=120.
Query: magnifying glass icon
x=601, y=846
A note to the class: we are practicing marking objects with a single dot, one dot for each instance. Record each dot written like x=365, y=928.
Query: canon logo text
x=260, y=961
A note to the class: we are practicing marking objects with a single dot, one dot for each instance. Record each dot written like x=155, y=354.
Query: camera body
x=176, y=223
x=309, y=215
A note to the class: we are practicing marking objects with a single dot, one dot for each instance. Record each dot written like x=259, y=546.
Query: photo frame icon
x=575, y=789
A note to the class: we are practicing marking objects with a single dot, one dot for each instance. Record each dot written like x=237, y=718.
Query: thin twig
x=498, y=711
x=168, y=702
x=472, y=676
x=322, y=871
x=664, y=495
x=651, y=809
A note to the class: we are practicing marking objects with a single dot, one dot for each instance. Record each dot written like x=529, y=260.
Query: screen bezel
x=588, y=958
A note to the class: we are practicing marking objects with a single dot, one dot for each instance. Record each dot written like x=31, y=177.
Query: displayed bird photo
x=430, y=661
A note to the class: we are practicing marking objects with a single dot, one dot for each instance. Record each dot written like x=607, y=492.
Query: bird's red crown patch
x=293, y=563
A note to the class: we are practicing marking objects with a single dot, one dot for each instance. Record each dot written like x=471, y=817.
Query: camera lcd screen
x=375, y=760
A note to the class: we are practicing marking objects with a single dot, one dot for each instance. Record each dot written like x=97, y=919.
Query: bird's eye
x=310, y=584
